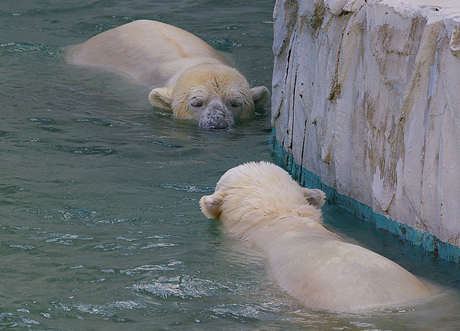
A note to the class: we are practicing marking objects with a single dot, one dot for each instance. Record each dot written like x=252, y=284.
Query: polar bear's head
x=213, y=94
x=259, y=191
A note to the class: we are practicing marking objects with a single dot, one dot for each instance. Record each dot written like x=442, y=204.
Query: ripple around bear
x=261, y=204
x=184, y=73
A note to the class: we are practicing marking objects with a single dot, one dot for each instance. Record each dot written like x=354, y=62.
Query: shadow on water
x=100, y=227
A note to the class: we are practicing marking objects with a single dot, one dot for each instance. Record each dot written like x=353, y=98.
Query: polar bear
x=261, y=204
x=185, y=74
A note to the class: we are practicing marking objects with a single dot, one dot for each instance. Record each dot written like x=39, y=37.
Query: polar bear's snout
x=216, y=116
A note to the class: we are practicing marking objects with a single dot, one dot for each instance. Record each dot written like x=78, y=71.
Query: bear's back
x=151, y=52
x=323, y=271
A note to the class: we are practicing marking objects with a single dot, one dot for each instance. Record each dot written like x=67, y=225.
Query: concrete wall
x=366, y=95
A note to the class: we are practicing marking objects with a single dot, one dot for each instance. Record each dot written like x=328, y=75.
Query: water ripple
x=76, y=213
x=107, y=310
x=9, y=320
x=237, y=311
x=14, y=47
x=86, y=150
x=65, y=238
x=223, y=43
x=107, y=247
x=25, y=247
x=184, y=286
x=188, y=188
x=87, y=214
x=146, y=268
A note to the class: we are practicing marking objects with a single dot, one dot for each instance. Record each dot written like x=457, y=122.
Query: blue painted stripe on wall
x=306, y=178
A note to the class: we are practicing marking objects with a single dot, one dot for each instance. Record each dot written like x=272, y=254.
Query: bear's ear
x=161, y=97
x=210, y=205
x=260, y=95
x=314, y=197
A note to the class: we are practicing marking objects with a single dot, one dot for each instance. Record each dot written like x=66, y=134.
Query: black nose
x=217, y=126
x=216, y=120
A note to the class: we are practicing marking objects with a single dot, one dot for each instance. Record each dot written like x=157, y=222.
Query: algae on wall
x=366, y=95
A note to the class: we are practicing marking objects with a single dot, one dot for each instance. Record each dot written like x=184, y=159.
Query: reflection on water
x=100, y=227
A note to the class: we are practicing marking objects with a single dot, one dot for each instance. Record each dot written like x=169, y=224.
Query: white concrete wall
x=366, y=94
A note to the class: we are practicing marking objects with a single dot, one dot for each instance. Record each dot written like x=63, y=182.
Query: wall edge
x=307, y=178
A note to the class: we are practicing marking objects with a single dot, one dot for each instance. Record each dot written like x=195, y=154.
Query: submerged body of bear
x=184, y=73
x=260, y=203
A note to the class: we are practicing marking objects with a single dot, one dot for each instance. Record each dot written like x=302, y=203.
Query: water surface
x=100, y=227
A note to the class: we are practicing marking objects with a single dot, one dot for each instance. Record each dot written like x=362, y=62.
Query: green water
x=100, y=227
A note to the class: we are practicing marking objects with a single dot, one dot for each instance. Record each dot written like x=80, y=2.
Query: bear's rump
x=328, y=273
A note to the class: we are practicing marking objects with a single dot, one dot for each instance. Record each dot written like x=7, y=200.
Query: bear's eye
x=195, y=102
x=236, y=103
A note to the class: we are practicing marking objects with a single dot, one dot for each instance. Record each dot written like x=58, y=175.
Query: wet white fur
x=261, y=204
x=176, y=65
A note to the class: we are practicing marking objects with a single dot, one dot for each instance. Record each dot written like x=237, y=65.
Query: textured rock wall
x=366, y=95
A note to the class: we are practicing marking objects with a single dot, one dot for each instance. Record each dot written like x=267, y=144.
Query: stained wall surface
x=366, y=95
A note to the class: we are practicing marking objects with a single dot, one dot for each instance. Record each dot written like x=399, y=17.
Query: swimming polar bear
x=261, y=204
x=185, y=74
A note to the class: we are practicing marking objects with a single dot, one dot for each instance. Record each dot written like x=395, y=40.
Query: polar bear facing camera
x=184, y=73
x=261, y=204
